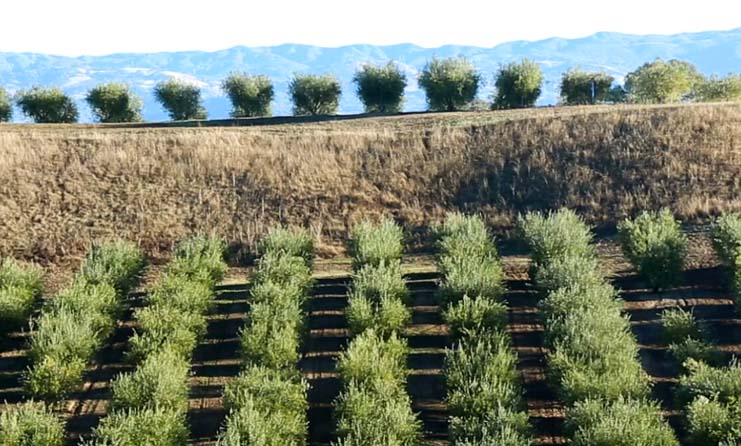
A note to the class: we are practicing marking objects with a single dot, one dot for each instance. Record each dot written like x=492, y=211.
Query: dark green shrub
x=250, y=95
x=181, y=100
x=624, y=422
x=30, y=424
x=314, y=94
x=373, y=243
x=20, y=288
x=555, y=235
x=655, y=245
x=117, y=263
x=380, y=414
x=161, y=381
x=114, y=102
x=47, y=106
x=579, y=87
x=518, y=85
x=200, y=257
x=6, y=106
x=449, y=84
x=372, y=358
x=295, y=242
x=726, y=236
x=380, y=88
x=150, y=427
x=472, y=317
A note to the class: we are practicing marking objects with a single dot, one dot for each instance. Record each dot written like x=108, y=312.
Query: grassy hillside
x=64, y=186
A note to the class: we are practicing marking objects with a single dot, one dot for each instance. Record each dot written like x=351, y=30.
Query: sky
x=96, y=27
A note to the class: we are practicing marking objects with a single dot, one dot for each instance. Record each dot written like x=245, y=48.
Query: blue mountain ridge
x=713, y=52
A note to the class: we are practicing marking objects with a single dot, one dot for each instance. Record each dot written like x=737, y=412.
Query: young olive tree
x=450, y=84
x=662, y=82
x=315, y=94
x=6, y=106
x=114, y=102
x=381, y=88
x=579, y=87
x=250, y=95
x=518, y=85
x=47, y=105
x=181, y=100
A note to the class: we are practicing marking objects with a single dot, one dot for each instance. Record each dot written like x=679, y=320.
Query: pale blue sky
x=92, y=27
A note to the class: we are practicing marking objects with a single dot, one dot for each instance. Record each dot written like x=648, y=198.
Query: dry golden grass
x=64, y=186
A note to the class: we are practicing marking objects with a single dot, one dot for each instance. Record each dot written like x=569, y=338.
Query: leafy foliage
x=181, y=100
x=6, y=106
x=117, y=263
x=151, y=427
x=381, y=88
x=20, y=288
x=713, y=422
x=114, y=102
x=579, y=87
x=555, y=235
x=161, y=381
x=288, y=241
x=518, y=85
x=655, y=245
x=372, y=244
x=47, y=105
x=726, y=236
x=30, y=424
x=314, y=94
x=250, y=95
x=283, y=269
x=624, y=422
x=685, y=336
x=377, y=299
x=661, y=81
x=200, y=258
x=715, y=89
x=474, y=317
x=449, y=84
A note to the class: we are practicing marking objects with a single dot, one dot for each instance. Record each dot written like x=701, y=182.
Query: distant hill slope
x=717, y=52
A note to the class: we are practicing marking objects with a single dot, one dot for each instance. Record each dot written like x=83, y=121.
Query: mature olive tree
x=716, y=89
x=182, y=100
x=450, y=84
x=315, y=94
x=114, y=102
x=6, y=106
x=662, y=82
x=250, y=95
x=381, y=88
x=579, y=87
x=518, y=85
x=47, y=105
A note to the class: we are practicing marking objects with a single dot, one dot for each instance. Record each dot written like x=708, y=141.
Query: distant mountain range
x=713, y=52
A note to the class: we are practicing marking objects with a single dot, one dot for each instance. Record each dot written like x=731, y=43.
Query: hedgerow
x=593, y=362
x=73, y=326
x=655, y=245
x=484, y=393
x=30, y=424
x=20, y=289
x=373, y=243
x=150, y=426
x=267, y=401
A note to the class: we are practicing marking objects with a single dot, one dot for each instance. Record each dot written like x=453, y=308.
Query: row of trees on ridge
x=449, y=84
